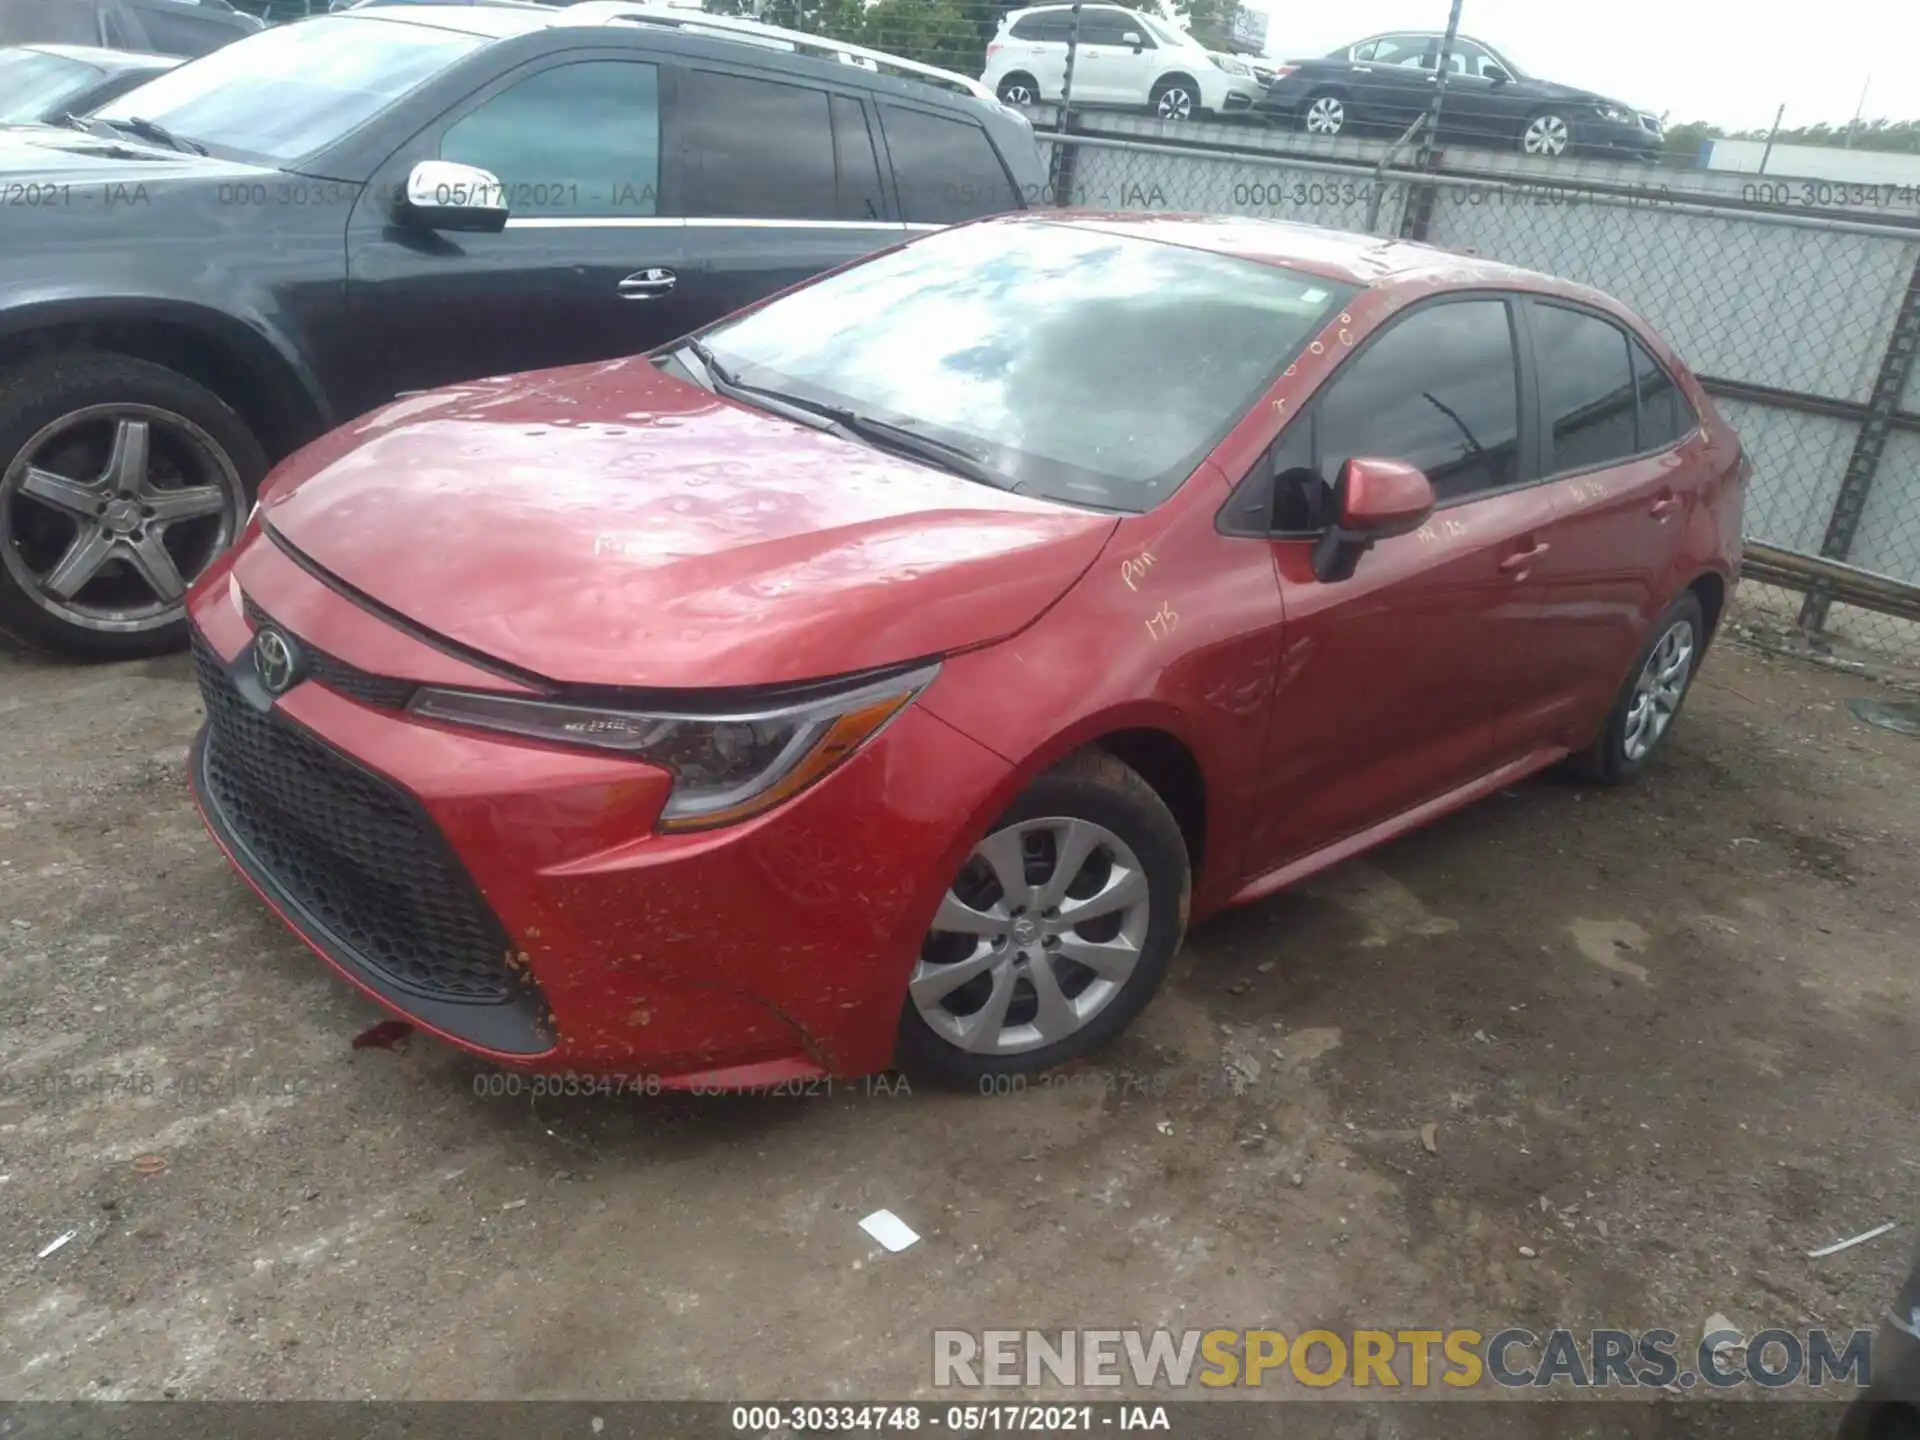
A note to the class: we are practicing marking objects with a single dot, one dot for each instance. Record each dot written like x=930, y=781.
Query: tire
x=1613, y=758
x=1547, y=134
x=1017, y=83
x=1088, y=791
x=124, y=434
x=1175, y=97
x=1325, y=113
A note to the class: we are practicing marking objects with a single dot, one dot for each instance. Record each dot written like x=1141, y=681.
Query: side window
x=856, y=169
x=761, y=150
x=1366, y=51
x=946, y=169
x=1299, y=494
x=1106, y=27
x=1439, y=390
x=1466, y=58
x=579, y=139
x=1586, y=389
x=180, y=27
x=1665, y=416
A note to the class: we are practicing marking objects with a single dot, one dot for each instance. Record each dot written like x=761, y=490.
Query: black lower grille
x=357, y=856
x=382, y=692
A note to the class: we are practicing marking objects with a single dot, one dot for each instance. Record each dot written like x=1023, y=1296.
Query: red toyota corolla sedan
x=889, y=673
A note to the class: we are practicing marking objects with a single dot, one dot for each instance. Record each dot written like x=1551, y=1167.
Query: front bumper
x=775, y=949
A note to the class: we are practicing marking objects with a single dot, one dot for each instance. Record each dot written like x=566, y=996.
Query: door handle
x=1517, y=563
x=647, y=284
x=1664, y=506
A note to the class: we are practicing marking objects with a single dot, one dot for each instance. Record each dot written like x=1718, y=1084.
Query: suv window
x=1665, y=416
x=183, y=27
x=761, y=149
x=1051, y=25
x=581, y=139
x=1586, y=389
x=1439, y=390
x=947, y=169
x=857, y=169
x=1108, y=27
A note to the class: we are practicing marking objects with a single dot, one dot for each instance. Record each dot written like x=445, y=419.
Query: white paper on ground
x=889, y=1229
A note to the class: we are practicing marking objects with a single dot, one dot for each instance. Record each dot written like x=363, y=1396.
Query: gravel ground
x=1664, y=1037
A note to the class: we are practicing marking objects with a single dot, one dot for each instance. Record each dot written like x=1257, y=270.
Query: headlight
x=1230, y=65
x=726, y=766
x=1618, y=114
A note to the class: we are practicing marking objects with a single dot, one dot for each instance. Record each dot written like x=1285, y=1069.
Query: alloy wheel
x=1014, y=93
x=1658, y=691
x=1040, y=931
x=1545, y=135
x=1176, y=103
x=108, y=513
x=1326, y=116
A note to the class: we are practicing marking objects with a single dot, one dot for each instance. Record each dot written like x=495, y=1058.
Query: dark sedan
x=1385, y=82
x=41, y=83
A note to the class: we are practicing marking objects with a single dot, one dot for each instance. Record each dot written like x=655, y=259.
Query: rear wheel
x=1647, y=705
x=1176, y=97
x=1019, y=89
x=1546, y=134
x=120, y=481
x=1325, y=114
x=1056, y=932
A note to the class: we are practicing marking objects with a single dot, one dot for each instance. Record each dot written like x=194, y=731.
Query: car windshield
x=31, y=84
x=293, y=89
x=1072, y=363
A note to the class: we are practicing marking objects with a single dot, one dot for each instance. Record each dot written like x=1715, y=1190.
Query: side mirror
x=443, y=195
x=1495, y=74
x=1373, y=500
x=1132, y=37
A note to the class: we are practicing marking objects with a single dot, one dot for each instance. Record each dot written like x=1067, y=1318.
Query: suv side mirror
x=443, y=195
x=1372, y=500
x=1132, y=37
x=1495, y=74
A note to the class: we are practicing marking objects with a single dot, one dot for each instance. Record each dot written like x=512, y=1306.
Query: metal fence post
x=1896, y=369
x=1417, y=214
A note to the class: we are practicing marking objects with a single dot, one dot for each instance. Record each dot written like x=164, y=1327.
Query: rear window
x=1091, y=368
x=946, y=169
x=1665, y=416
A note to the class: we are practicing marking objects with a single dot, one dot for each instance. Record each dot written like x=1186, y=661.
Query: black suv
x=269, y=241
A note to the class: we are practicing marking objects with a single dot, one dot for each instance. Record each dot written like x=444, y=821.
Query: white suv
x=1124, y=58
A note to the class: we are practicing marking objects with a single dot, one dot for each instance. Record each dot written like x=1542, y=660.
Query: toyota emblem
x=274, y=661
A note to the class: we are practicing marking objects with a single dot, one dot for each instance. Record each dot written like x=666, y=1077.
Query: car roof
x=1347, y=256
x=98, y=55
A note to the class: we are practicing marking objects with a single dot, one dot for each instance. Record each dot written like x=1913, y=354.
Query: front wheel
x=120, y=481
x=1056, y=932
x=1175, y=98
x=1647, y=705
x=1324, y=115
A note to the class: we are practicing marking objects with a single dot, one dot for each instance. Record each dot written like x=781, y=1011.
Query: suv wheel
x=1055, y=933
x=120, y=481
x=1019, y=89
x=1175, y=98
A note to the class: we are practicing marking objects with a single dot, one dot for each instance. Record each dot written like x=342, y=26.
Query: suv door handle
x=1517, y=563
x=646, y=284
x=1663, y=507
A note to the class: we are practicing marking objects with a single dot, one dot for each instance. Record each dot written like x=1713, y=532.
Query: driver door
x=589, y=264
x=1394, y=682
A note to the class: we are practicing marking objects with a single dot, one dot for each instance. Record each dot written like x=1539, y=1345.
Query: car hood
x=611, y=525
x=1548, y=90
x=55, y=154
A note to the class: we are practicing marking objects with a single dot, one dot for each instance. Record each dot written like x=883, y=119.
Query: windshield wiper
x=156, y=132
x=852, y=425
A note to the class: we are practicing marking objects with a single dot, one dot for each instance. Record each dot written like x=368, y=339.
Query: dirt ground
x=1665, y=1036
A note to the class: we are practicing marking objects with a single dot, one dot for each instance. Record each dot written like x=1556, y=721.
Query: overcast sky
x=1717, y=60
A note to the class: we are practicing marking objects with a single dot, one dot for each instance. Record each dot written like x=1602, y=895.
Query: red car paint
x=611, y=525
